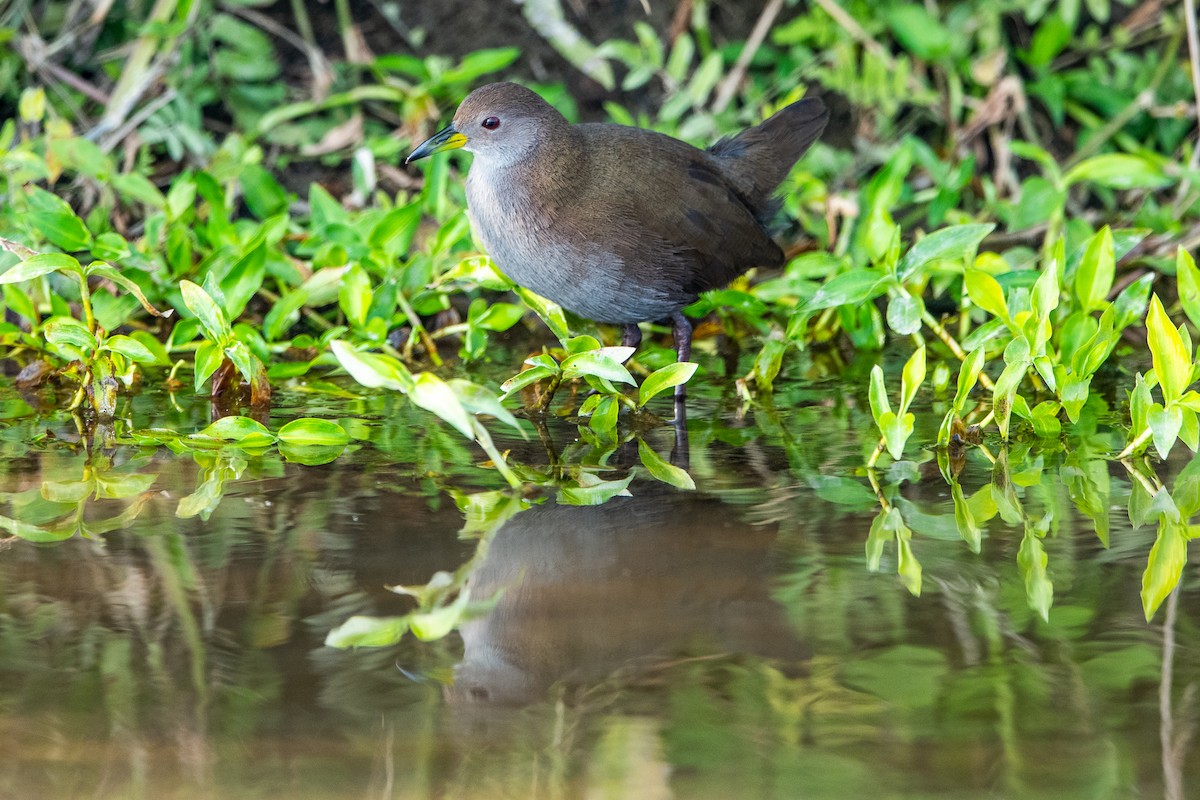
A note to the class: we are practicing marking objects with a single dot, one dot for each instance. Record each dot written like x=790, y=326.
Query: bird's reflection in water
x=592, y=592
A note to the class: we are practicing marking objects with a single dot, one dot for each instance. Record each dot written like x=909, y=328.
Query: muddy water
x=730, y=641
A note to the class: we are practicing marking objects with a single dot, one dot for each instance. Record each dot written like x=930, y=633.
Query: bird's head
x=501, y=122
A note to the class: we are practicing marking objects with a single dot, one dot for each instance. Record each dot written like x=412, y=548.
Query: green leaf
x=1004, y=393
x=524, y=378
x=849, y=288
x=368, y=632
x=244, y=279
x=433, y=394
x=372, y=370
x=1171, y=362
x=500, y=316
x=1188, y=277
x=310, y=431
x=604, y=414
x=103, y=270
x=1118, y=171
x=1165, y=565
x=955, y=242
x=209, y=357
x=551, y=313
x=52, y=217
x=211, y=317
x=594, y=493
x=665, y=378
x=478, y=400
x=878, y=396
x=968, y=376
x=1094, y=278
x=394, y=233
x=985, y=292
x=1032, y=561
x=131, y=349
x=920, y=33
x=39, y=265
x=242, y=430
x=70, y=331
x=1164, y=425
x=662, y=470
x=904, y=313
x=912, y=378
x=599, y=363
x=355, y=295
x=968, y=528
x=262, y=193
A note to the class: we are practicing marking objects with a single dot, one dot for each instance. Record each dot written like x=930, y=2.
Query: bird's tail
x=759, y=158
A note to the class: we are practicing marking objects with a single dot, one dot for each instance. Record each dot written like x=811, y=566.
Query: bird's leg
x=631, y=335
x=681, y=329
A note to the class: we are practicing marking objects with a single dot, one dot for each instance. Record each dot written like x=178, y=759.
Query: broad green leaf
x=209, y=357
x=912, y=378
x=68, y=330
x=1165, y=565
x=968, y=376
x=429, y=626
x=954, y=242
x=522, y=379
x=1164, y=425
x=985, y=292
x=968, y=528
x=372, y=370
x=665, y=378
x=849, y=288
x=599, y=363
x=368, y=632
x=131, y=349
x=355, y=294
x=433, y=394
x=878, y=395
x=1032, y=561
x=263, y=195
x=394, y=233
x=211, y=317
x=1171, y=362
x=904, y=313
x=603, y=417
x=500, y=316
x=1004, y=393
x=310, y=431
x=39, y=265
x=1118, y=171
x=1188, y=277
x=595, y=493
x=478, y=400
x=1094, y=278
x=53, y=218
x=662, y=470
x=242, y=430
x=551, y=313
x=103, y=270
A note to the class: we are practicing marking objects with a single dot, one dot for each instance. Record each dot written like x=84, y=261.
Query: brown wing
x=671, y=212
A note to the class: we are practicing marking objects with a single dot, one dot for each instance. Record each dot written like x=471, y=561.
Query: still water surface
x=727, y=642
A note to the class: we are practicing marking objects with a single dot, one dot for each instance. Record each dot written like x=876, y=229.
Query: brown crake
x=620, y=224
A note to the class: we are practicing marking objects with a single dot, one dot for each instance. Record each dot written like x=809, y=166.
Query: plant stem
x=1136, y=444
x=954, y=346
x=418, y=330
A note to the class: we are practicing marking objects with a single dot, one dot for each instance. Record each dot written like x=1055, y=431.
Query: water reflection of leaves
x=57, y=510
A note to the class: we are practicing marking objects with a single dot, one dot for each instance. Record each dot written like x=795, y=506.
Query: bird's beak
x=446, y=139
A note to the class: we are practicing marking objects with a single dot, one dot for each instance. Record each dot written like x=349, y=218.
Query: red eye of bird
x=491, y=123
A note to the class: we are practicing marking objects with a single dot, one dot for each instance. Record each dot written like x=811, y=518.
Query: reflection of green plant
x=1173, y=509
x=56, y=510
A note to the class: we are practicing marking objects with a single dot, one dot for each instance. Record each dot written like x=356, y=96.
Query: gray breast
x=528, y=243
